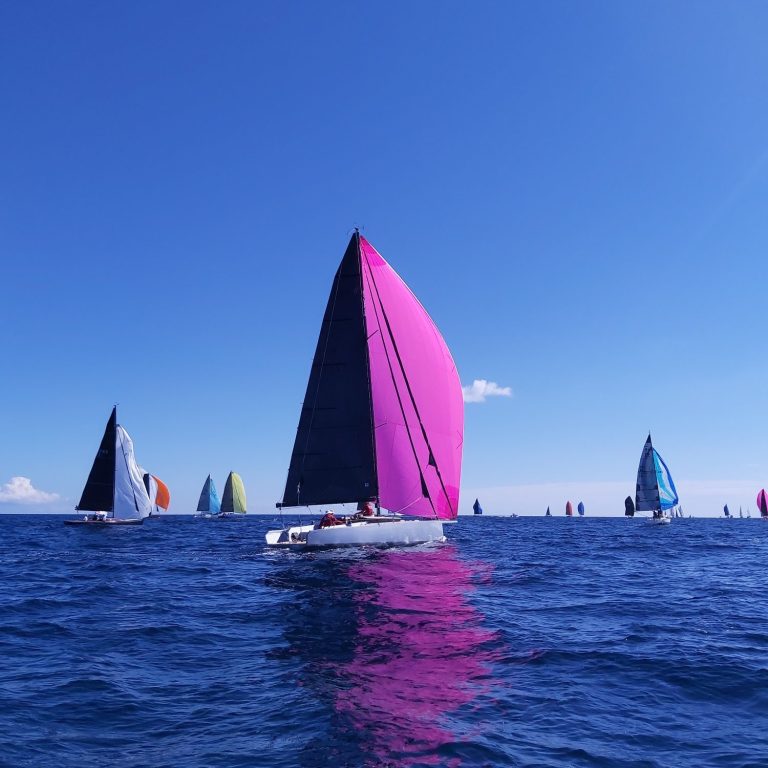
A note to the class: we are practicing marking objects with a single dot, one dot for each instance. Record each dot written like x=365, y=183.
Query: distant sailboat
x=580, y=509
x=383, y=417
x=208, y=504
x=726, y=512
x=655, y=489
x=548, y=513
x=569, y=509
x=114, y=491
x=762, y=504
x=159, y=495
x=477, y=509
x=629, y=507
x=741, y=514
x=233, y=500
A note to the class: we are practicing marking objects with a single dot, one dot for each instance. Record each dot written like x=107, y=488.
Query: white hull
x=386, y=532
x=659, y=520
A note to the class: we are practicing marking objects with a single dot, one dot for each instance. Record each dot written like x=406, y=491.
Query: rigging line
x=410, y=393
x=369, y=276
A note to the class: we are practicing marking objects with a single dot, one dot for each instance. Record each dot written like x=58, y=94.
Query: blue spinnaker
x=667, y=490
x=209, y=499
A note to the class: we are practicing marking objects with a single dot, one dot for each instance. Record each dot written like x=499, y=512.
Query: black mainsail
x=99, y=492
x=333, y=458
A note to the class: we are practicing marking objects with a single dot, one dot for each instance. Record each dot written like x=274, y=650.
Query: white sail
x=131, y=498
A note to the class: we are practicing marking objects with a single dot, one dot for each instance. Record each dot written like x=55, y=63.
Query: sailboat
x=233, y=500
x=159, y=495
x=476, y=508
x=629, y=507
x=208, y=504
x=655, y=489
x=383, y=416
x=727, y=513
x=568, y=509
x=547, y=513
x=580, y=509
x=762, y=504
x=741, y=514
x=114, y=492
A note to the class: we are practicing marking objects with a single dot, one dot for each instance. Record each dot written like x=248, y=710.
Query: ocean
x=520, y=642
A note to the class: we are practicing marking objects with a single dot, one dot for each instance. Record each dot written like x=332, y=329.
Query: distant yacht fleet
x=655, y=493
x=381, y=427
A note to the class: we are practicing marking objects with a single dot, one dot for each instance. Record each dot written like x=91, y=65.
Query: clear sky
x=577, y=192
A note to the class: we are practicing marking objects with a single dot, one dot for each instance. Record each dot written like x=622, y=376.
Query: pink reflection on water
x=421, y=653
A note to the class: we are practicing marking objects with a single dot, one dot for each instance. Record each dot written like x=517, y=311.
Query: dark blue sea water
x=521, y=642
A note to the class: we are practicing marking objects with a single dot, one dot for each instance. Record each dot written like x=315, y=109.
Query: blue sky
x=577, y=192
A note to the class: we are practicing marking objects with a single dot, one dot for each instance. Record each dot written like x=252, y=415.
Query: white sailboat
x=383, y=417
x=114, y=493
x=656, y=491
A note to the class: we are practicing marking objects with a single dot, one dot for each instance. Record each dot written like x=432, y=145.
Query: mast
x=367, y=364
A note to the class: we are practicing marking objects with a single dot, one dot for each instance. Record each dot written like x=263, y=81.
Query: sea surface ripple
x=520, y=642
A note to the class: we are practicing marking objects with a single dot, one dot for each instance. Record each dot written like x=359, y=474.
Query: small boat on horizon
x=655, y=491
x=208, y=505
x=114, y=493
x=233, y=500
x=547, y=513
x=476, y=508
x=629, y=507
x=762, y=504
x=726, y=513
x=159, y=495
x=568, y=509
x=580, y=509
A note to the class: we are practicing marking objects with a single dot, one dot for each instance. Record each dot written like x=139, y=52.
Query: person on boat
x=367, y=510
x=328, y=520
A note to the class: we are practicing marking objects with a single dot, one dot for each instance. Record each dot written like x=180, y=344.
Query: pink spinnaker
x=762, y=503
x=417, y=400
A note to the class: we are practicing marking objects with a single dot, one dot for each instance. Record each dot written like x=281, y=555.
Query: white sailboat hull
x=387, y=532
x=659, y=520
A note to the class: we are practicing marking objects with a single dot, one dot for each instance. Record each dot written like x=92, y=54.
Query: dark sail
x=98, y=494
x=478, y=510
x=629, y=507
x=333, y=456
x=647, y=492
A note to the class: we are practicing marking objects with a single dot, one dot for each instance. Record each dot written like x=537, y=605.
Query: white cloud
x=19, y=490
x=479, y=389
